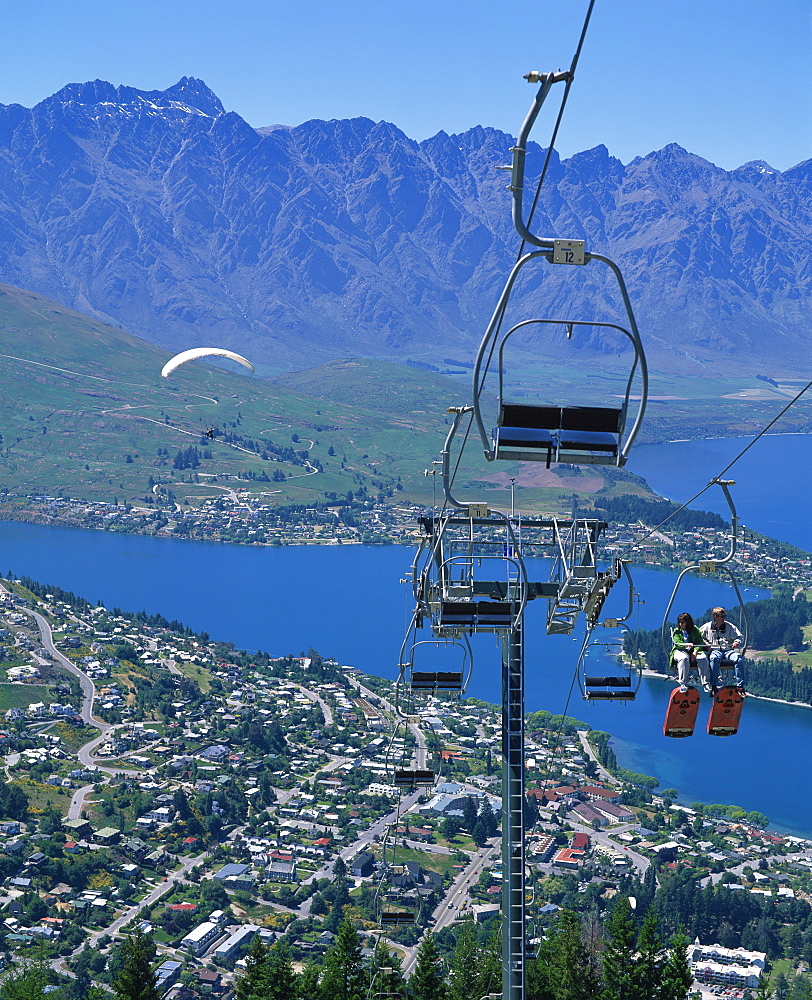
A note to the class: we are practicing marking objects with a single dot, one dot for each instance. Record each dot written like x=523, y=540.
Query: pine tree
x=572, y=974
x=648, y=963
x=780, y=987
x=469, y=813
x=342, y=975
x=136, y=980
x=281, y=980
x=426, y=982
x=487, y=816
x=387, y=973
x=489, y=965
x=618, y=964
x=462, y=974
x=676, y=972
x=340, y=895
x=307, y=982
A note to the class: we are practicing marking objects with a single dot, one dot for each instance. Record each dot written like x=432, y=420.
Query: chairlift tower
x=469, y=574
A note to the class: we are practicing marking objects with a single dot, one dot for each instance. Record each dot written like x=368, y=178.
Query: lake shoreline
x=657, y=676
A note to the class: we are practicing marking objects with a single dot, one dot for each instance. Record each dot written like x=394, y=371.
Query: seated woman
x=687, y=651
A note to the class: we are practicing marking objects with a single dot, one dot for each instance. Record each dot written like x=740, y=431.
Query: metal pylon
x=513, y=936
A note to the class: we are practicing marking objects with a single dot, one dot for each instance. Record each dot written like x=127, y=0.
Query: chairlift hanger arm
x=547, y=80
x=734, y=518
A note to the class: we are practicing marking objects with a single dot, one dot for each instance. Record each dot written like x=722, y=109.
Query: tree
x=487, y=816
x=340, y=895
x=676, y=972
x=135, y=979
x=648, y=973
x=255, y=978
x=387, y=974
x=565, y=968
x=426, y=982
x=27, y=983
x=462, y=974
x=480, y=833
x=469, y=813
x=50, y=821
x=342, y=975
x=618, y=960
x=449, y=828
x=307, y=983
x=281, y=982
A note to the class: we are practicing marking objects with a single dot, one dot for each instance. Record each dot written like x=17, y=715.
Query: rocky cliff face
x=165, y=214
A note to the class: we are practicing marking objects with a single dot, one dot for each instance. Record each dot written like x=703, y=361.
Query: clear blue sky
x=730, y=80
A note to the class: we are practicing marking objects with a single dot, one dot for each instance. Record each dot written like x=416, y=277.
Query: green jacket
x=677, y=641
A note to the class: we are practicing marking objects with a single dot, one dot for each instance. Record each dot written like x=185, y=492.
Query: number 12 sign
x=568, y=252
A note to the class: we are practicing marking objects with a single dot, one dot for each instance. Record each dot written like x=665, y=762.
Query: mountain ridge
x=164, y=213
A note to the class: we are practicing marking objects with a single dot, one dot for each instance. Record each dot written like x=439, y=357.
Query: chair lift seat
x=617, y=683
x=473, y=614
x=590, y=428
x=524, y=437
x=413, y=779
x=558, y=431
x=446, y=680
x=528, y=426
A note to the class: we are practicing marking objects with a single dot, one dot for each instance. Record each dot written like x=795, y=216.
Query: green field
x=442, y=863
x=22, y=695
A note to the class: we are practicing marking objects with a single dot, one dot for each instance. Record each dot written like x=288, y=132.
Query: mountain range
x=161, y=212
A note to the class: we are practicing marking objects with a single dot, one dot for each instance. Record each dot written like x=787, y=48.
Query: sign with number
x=707, y=566
x=568, y=252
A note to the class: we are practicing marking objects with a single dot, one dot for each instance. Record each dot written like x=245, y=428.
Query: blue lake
x=773, y=480
x=346, y=601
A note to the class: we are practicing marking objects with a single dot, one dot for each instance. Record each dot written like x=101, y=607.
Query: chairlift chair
x=550, y=432
x=411, y=681
x=709, y=567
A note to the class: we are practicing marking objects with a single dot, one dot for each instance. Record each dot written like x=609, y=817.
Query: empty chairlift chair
x=413, y=779
x=608, y=688
x=440, y=680
x=576, y=434
x=396, y=918
x=546, y=432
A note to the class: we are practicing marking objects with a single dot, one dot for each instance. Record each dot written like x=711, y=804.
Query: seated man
x=724, y=640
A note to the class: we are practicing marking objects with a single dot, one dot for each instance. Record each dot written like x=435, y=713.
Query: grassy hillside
x=84, y=413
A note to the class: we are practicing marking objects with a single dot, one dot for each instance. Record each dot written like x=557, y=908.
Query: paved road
x=78, y=801
x=85, y=683
x=602, y=772
x=420, y=751
x=327, y=712
x=366, y=837
x=456, y=899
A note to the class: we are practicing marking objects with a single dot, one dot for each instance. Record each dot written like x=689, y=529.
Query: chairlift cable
x=557, y=126
x=727, y=468
x=557, y=734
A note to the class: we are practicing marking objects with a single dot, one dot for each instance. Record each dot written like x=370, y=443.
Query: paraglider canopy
x=202, y=352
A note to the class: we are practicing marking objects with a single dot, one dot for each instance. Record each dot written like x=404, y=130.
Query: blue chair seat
x=533, y=437
x=588, y=441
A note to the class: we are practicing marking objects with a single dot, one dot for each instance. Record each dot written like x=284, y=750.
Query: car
x=450, y=906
